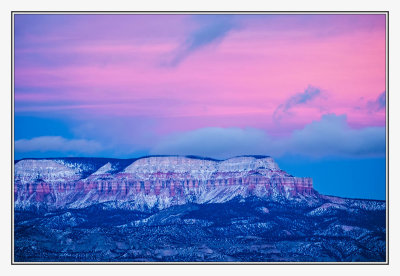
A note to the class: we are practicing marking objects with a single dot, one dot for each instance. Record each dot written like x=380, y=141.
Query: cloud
x=213, y=30
x=330, y=136
x=309, y=94
x=213, y=142
x=123, y=135
x=58, y=144
x=379, y=103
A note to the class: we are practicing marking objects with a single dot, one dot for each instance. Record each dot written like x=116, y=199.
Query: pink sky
x=188, y=72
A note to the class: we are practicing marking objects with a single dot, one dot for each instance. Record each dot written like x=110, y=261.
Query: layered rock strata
x=151, y=182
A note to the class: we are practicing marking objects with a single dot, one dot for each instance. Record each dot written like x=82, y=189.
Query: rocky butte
x=186, y=209
x=151, y=182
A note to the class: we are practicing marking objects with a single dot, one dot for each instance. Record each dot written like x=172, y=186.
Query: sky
x=308, y=90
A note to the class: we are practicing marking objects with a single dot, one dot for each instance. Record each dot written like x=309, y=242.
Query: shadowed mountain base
x=240, y=230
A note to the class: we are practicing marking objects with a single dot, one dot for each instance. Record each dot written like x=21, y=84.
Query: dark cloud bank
x=330, y=136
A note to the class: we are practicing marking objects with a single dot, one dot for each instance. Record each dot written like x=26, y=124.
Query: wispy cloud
x=58, y=144
x=379, y=103
x=330, y=136
x=302, y=98
x=213, y=29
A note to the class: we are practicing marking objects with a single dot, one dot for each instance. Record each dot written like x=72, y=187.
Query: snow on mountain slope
x=30, y=171
x=151, y=182
x=249, y=229
x=104, y=169
x=247, y=163
x=175, y=208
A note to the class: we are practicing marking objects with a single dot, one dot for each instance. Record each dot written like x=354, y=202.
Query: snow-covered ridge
x=28, y=171
x=178, y=164
x=187, y=164
x=247, y=163
x=104, y=169
x=151, y=182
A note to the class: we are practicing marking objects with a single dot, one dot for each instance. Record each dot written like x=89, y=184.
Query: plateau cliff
x=151, y=182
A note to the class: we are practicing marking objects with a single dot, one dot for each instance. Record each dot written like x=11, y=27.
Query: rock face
x=186, y=209
x=151, y=182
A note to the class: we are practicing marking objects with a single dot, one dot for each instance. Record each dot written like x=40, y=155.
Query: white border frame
x=201, y=12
